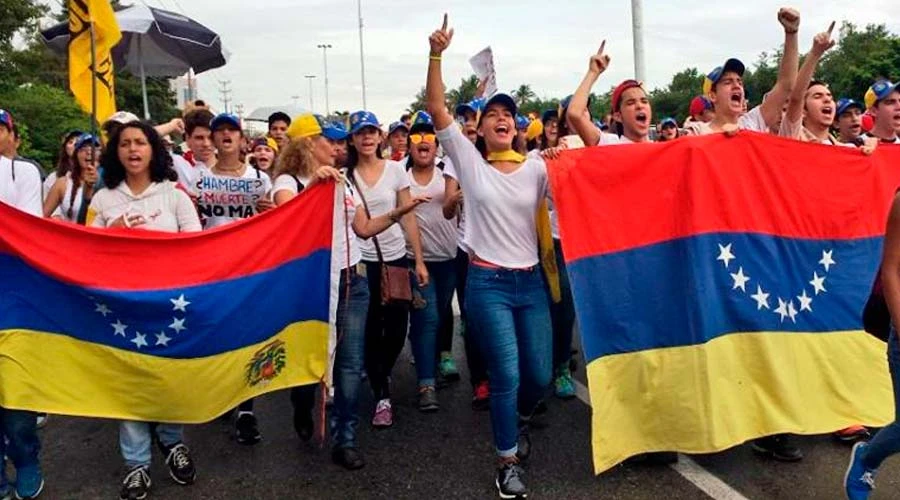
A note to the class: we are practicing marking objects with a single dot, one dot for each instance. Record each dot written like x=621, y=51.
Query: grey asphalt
x=442, y=455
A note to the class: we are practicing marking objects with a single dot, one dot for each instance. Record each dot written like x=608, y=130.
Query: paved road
x=442, y=455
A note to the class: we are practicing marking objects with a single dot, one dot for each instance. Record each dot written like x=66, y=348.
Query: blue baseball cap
x=421, y=121
x=396, y=126
x=845, y=103
x=225, y=119
x=334, y=131
x=668, y=121
x=361, y=120
x=86, y=140
x=731, y=65
x=6, y=119
x=474, y=106
x=522, y=122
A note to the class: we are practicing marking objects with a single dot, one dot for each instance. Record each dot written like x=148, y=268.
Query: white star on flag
x=827, y=260
x=162, y=340
x=818, y=283
x=792, y=312
x=725, y=254
x=178, y=325
x=140, y=340
x=805, y=302
x=761, y=298
x=102, y=309
x=782, y=309
x=179, y=304
x=119, y=327
x=740, y=280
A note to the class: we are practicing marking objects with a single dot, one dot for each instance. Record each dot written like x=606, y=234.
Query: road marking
x=686, y=467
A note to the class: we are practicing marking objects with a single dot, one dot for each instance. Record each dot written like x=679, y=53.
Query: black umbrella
x=155, y=42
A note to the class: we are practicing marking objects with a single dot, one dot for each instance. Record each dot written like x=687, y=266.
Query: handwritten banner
x=232, y=197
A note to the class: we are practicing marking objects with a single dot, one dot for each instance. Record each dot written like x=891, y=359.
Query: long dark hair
x=353, y=155
x=65, y=161
x=160, y=163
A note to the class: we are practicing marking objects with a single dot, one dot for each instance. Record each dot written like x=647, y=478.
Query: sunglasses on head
x=419, y=138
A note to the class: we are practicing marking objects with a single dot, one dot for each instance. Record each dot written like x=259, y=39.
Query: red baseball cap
x=867, y=122
x=699, y=104
x=617, y=93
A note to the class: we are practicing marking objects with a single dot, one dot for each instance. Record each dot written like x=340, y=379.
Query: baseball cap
x=6, y=119
x=396, y=126
x=225, y=119
x=123, y=117
x=699, y=104
x=306, y=125
x=86, y=140
x=878, y=91
x=617, y=93
x=550, y=114
x=475, y=106
x=867, y=122
x=668, y=121
x=534, y=130
x=334, y=131
x=845, y=103
x=504, y=100
x=264, y=141
x=361, y=120
x=731, y=65
x=522, y=122
x=421, y=121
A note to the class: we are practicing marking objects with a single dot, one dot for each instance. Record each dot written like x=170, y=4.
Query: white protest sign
x=228, y=197
x=483, y=65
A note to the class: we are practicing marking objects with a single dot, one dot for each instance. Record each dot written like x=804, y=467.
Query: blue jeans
x=136, y=440
x=887, y=441
x=562, y=314
x=20, y=428
x=424, y=322
x=348, y=360
x=511, y=311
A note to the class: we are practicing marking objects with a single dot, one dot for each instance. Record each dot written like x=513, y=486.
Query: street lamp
x=637, y=29
x=325, y=47
x=295, y=98
x=362, y=61
x=309, y=78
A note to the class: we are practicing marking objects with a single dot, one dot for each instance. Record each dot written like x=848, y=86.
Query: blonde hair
x=297, y=158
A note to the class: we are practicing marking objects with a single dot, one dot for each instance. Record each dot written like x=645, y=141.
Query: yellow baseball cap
x=305, y=125
x=534, y=130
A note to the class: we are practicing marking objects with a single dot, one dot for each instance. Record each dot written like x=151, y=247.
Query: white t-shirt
x=797, y=131
x=381, y=199
x=880, y=141
x=20, y=186
x=501, y=209
x=49, y=182
x=260, y=185
x=287, y=182
x=165, y=208
x=437, y=233
x=187, y=173
x=68, y=204
x=450, y=172
x=752, y=120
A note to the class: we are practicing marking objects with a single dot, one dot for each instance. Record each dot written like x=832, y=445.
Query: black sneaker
x=181, y=465
x=777, y=447
x=136, y=485
x=348, y=458
x=510, y=481
x=428, y=401
x=303, y=424
x=523, y=444
x=246, y=428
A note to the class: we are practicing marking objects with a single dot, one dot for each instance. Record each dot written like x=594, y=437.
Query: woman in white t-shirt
x=140, y=193
x=65, y=196
x=383, y=186
x=506, y=293
x=431, y=309
x=307, y=160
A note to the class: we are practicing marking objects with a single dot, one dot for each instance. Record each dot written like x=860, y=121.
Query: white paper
x=483, y=65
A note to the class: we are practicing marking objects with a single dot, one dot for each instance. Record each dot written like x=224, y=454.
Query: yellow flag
x=82, y=15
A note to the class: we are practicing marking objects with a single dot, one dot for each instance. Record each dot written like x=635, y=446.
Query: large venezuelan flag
x=719, y=284
x=164, y=327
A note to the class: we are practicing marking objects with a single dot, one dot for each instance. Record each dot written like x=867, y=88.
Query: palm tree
x=523, y=94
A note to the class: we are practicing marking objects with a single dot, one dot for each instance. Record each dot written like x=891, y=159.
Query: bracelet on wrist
x=794, y=32
x=433, y=57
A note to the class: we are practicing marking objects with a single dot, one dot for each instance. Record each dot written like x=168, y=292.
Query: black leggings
x=477, y=369
x=386, y=328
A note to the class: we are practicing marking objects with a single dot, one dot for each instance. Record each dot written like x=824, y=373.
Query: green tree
x=675, y=99
x=862, y=57
x=523, y=94
x=44, y=114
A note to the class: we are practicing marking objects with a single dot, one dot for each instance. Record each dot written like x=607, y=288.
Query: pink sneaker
x=384, y=414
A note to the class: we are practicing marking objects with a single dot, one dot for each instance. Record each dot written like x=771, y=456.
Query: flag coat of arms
x=142, y=325
x=719, y=285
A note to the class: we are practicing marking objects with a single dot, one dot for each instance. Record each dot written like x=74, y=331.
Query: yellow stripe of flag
x=82, y=15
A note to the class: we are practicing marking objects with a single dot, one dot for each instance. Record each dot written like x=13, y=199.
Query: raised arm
x=576, y=116
x=787, y=71
x=434, y=84
x=821, y=43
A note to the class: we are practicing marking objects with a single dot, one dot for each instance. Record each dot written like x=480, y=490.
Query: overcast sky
x=545, y=43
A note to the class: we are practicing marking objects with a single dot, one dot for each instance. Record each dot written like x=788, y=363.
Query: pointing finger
x=602, y=46
x=444, y=27
x=831, y=28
